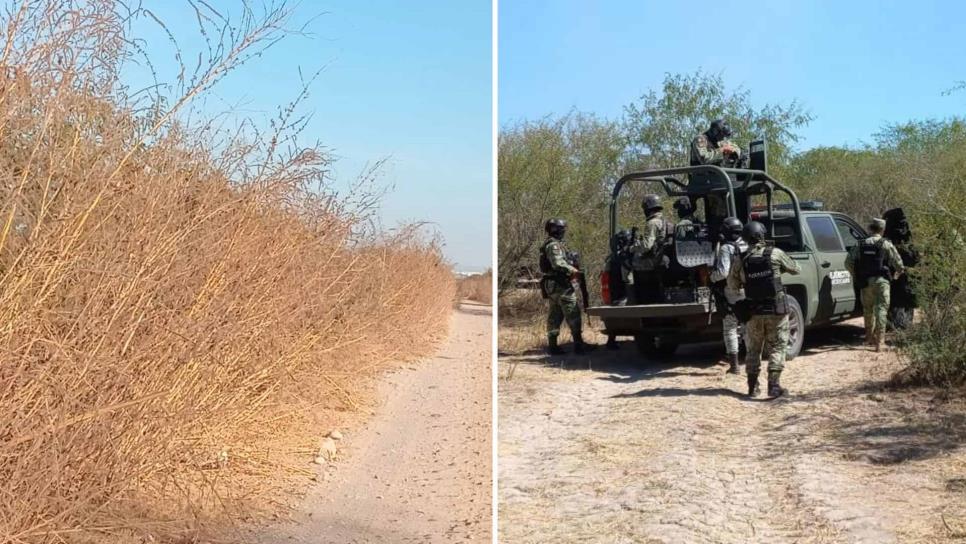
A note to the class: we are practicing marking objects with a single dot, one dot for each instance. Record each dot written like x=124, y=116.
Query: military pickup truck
x=818, y=240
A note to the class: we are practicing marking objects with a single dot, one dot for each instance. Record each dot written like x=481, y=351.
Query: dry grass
x=176, y=300
x=478, y=287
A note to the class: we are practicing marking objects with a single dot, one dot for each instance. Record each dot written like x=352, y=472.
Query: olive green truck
x=818, y=240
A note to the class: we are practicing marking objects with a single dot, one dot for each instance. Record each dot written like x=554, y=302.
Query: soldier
x=731, y=248
x=713, y=146
x=618, y=266
x=557, y=286
x=873, y=263
x=685, y=211
x=649, y=261
x=759, y=273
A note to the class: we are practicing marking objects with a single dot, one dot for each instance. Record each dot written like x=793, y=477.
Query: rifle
x=574, y=259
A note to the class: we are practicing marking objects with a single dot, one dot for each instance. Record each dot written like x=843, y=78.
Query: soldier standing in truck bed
x=713, y=146
x=619, y=274
x=649, y=261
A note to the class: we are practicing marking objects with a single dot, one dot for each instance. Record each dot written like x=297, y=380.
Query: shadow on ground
x=627, y=364
x=872, y=423
x=868, y=422
x=843, y=336
x=681, y=392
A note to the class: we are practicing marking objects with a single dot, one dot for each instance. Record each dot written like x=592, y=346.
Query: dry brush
x=178, y=304
x=476, y=287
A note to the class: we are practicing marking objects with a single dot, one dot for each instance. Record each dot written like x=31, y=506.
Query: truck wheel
x=796, y=327
x=654, y=346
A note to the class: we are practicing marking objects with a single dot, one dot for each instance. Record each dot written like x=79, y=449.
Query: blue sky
x=854, y=65
x=406, y=80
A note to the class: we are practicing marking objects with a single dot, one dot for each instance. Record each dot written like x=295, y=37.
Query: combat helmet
x=555, y=227
x=683, y=207
x=719, y=130
x=651, y=202
x=731, y=228
x=623, y=237
x=754, y=232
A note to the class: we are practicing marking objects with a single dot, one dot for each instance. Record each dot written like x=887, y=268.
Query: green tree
x=921, y=167
x=554, y=167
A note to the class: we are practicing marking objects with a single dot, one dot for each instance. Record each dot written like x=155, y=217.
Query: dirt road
x=602, y=449
x=419, y=470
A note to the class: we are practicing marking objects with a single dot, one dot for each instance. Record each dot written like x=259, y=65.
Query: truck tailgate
x=649, y=310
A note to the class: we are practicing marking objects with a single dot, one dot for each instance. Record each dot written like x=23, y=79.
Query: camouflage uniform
x=705, y=152
x=648, y=260
x=560, y=290
x=765, y=333
x=875, y=294
x=728, y=253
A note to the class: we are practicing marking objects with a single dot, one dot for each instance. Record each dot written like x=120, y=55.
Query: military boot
x=552, y=347
x=880, y=343
x=733, y=363
x=753, y=389
x=775, y=388
x=580, y=346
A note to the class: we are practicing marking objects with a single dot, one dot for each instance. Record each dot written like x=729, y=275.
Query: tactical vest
x=657, y=251
x=763, y=287
x=545, y=267
x=872, y=260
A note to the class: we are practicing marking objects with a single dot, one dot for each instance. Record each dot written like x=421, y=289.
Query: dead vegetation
x=179, y=303
x=478, y=287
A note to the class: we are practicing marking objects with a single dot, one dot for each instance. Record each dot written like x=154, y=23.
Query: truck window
x=851, y=234
x=824, y=233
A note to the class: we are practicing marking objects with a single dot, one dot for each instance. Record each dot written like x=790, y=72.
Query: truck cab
x=817, y=240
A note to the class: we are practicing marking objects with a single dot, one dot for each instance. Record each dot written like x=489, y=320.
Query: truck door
x=851, y=234
x=836, y=295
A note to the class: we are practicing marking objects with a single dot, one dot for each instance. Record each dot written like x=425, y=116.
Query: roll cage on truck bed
x=817, y=240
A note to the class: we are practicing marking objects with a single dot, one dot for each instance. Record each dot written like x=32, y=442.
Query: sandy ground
x=606, y=448
x=420, y=468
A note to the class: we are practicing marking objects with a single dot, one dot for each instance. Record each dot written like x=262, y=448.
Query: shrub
x=179, y=306
x=477, y=287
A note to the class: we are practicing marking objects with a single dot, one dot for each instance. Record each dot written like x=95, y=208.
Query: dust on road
x=603, y=448
x=420, y=469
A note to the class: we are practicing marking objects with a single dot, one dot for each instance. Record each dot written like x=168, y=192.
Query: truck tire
x=654, y=347
x=796, y=327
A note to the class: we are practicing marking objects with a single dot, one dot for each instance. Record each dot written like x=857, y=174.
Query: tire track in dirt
x=603, y=450
x=420, y=469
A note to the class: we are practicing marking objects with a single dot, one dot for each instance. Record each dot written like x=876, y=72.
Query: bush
x=477, y=287
x=921, y=167
x=176, y=303
x=554, y=168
